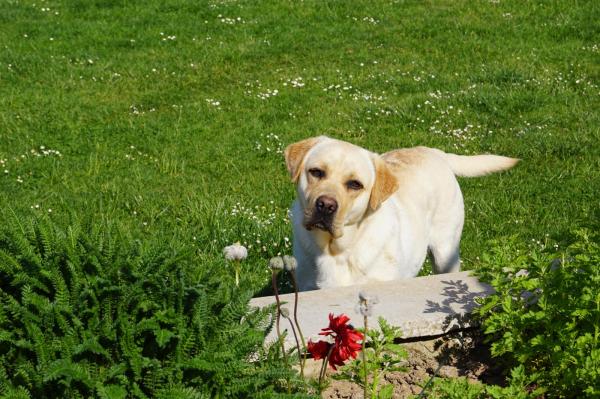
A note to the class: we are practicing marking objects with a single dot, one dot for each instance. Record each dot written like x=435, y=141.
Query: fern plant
x=88, y=311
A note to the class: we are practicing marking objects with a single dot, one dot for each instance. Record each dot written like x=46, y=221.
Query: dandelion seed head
x=290, y=263
x=366, y=303
x=276, y=263
x=366, y=297
x=235, y=252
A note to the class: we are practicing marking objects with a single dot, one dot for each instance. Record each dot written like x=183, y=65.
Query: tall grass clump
x=88, y=311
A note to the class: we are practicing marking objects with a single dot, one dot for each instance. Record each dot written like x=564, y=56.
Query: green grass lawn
x=168, y=118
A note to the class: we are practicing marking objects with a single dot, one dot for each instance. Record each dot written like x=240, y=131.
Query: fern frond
x=16, y=393
x=64, y=369
x=111, y=391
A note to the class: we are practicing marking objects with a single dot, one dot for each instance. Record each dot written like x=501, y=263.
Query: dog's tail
x=478, y=165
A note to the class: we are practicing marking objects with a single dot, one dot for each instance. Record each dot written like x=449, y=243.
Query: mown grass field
x=168, y=118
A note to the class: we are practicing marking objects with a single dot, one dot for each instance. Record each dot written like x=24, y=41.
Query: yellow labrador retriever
x=360, y=216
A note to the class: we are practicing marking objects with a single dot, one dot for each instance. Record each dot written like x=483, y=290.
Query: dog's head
x=337, y=182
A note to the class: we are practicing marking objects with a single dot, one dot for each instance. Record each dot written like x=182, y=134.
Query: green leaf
x=387, y=392
x=397, y=349
x=111, y=391
x=163, y=337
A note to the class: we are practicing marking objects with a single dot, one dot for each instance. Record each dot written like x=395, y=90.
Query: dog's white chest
x=339, y=270
x=372, y=251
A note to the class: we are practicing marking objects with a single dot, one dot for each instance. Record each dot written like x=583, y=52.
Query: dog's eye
x=318, y=173
x=354, y=185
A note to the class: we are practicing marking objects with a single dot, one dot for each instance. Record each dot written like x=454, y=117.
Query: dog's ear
x=295, y=153
x=385, y=185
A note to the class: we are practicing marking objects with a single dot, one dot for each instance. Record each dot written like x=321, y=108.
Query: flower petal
x=318, y=349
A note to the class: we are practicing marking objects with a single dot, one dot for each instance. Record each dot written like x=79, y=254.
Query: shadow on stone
x=458, y=304
x=463, y=345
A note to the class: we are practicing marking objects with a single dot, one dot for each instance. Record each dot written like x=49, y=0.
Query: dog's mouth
x=322, y=224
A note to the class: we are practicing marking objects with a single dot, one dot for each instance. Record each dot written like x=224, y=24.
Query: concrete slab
x=422, y=306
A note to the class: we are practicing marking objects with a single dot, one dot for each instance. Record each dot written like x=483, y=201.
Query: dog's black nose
x=326, y=205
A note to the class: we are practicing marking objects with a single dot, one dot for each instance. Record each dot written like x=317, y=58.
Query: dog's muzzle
x=323, y=214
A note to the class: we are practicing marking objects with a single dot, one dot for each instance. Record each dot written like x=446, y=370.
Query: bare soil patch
x=461, y=354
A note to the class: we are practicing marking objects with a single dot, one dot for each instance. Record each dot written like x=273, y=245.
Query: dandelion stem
x=237, y=273
x=297, y=345
x=278, y=316
x=303, y=356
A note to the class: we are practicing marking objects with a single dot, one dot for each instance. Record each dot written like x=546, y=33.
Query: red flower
x=345, y=345
x=318, y=349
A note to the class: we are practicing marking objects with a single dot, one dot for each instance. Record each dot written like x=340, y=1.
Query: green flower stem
x=324, y=365
x=364, y=353
x=375, y=383
x=426, y=386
